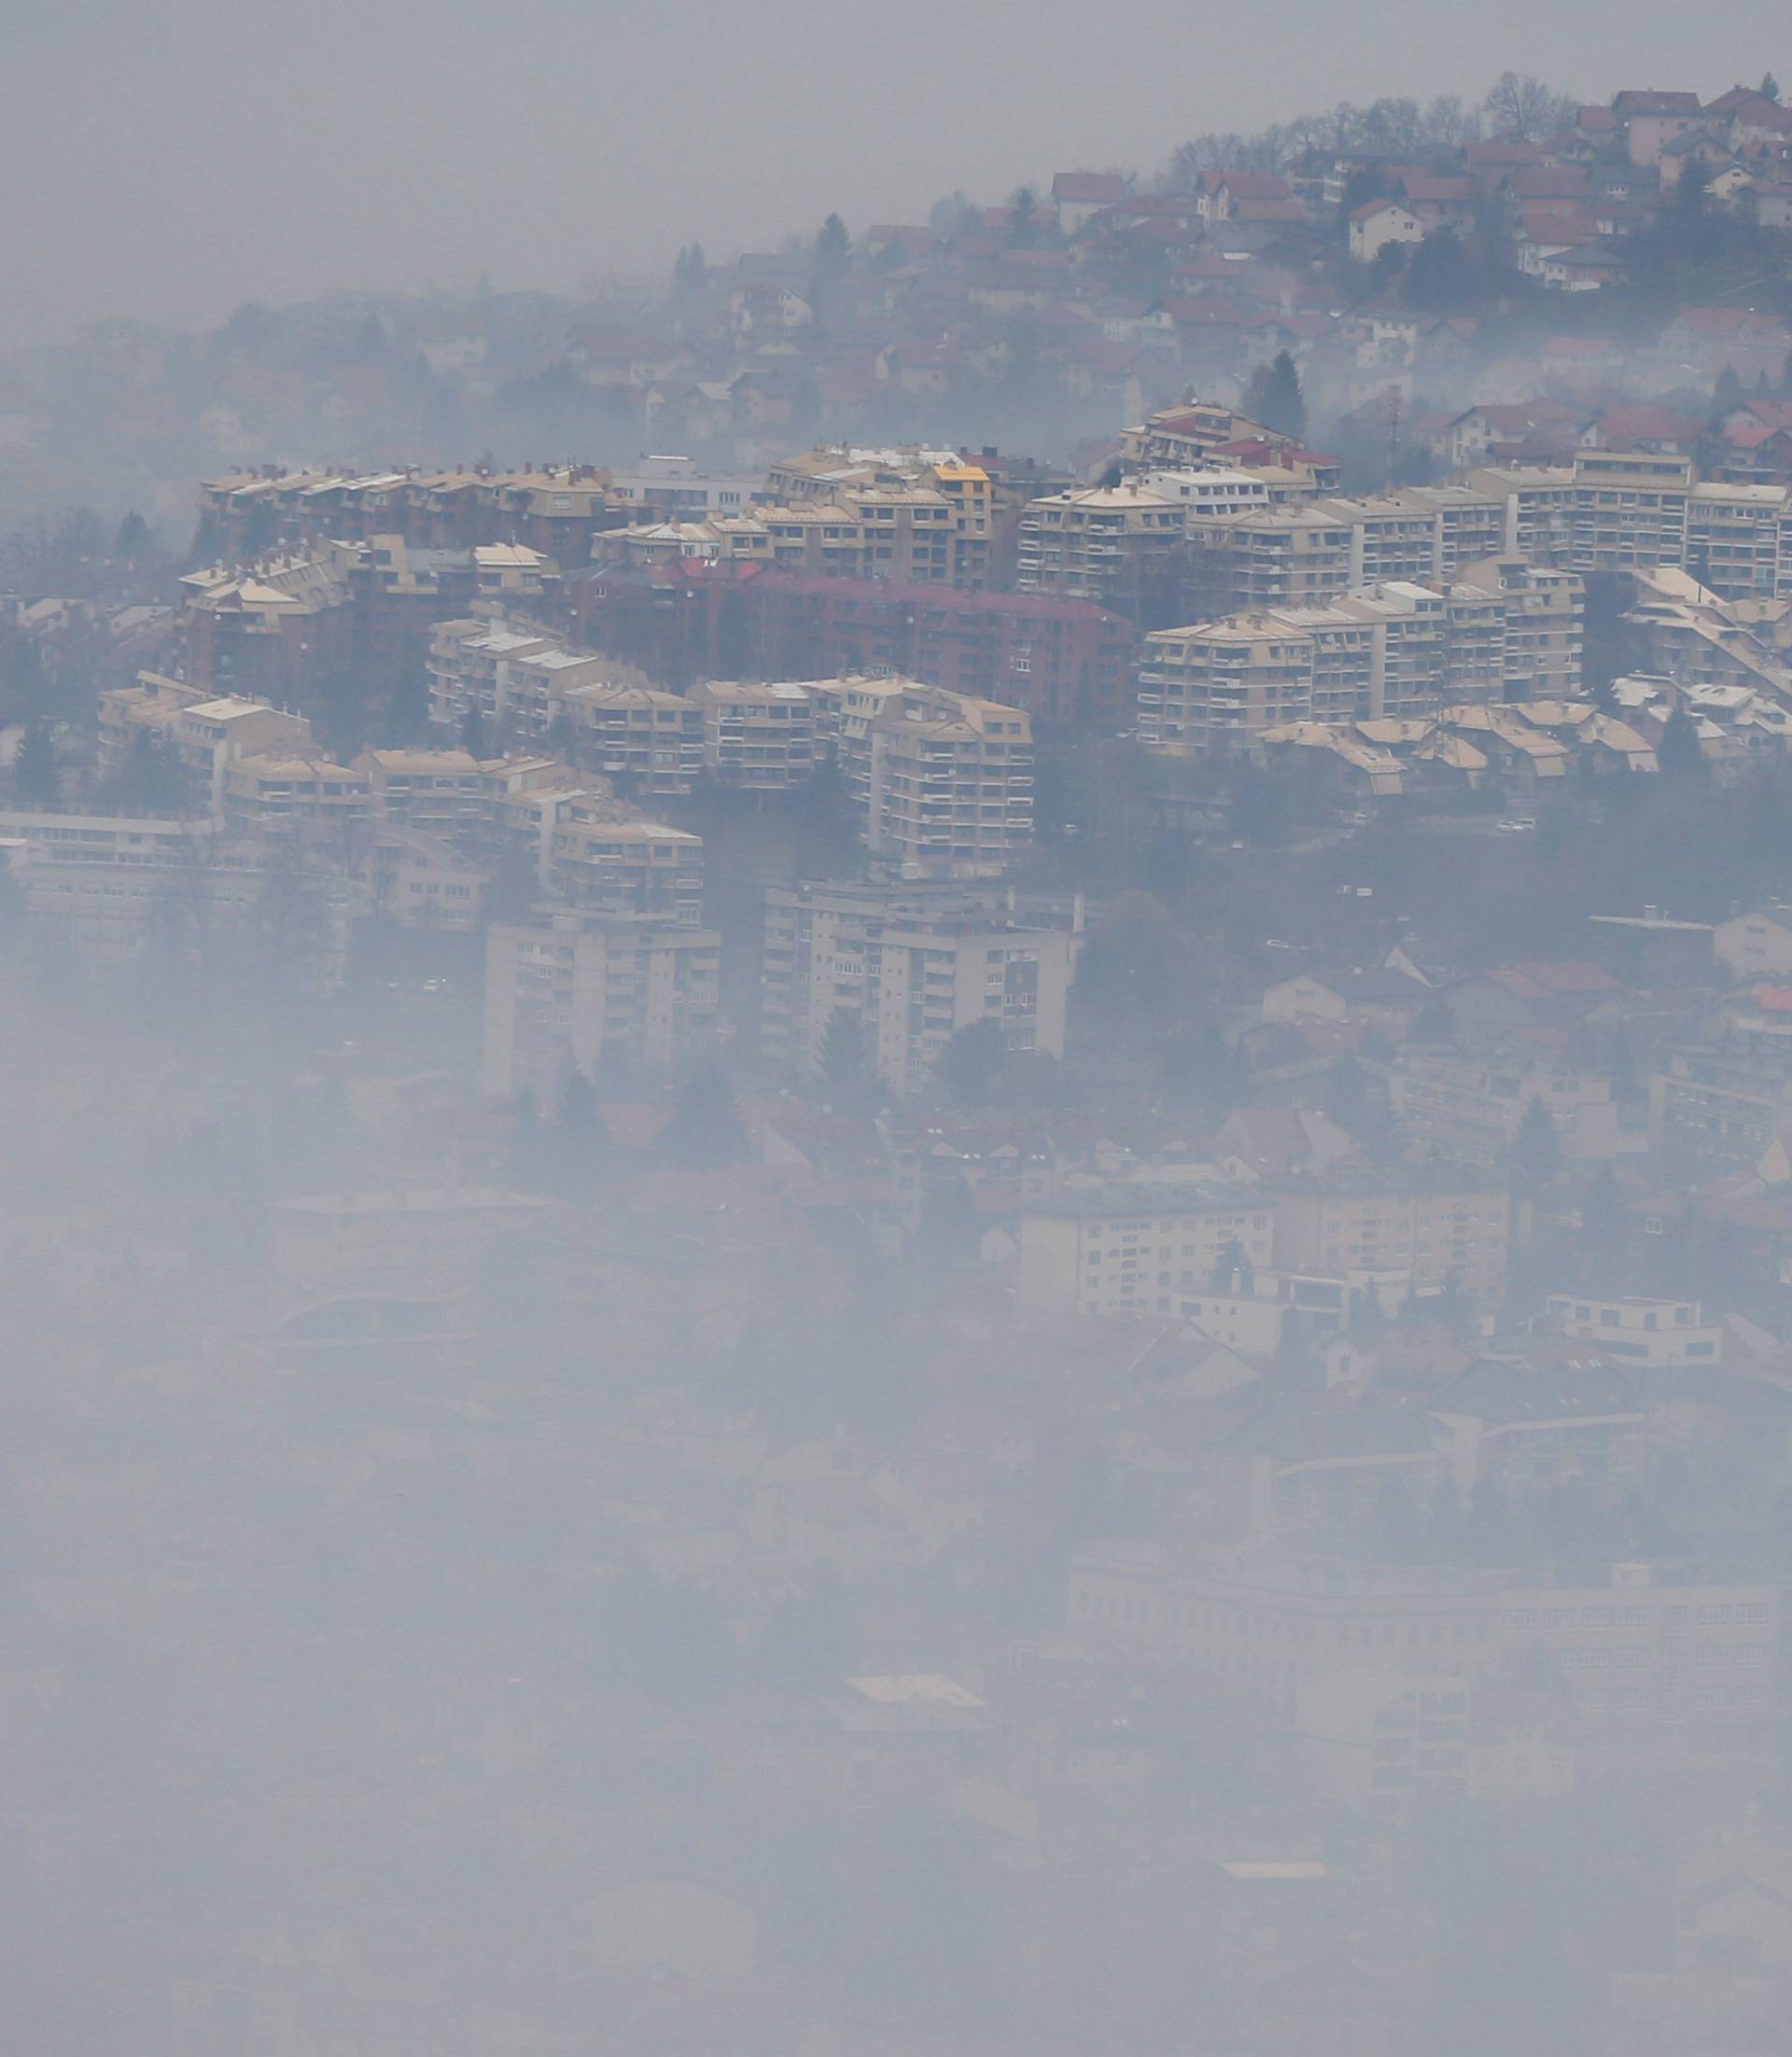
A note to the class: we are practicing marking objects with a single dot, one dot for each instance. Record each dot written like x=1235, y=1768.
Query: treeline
x=1517, y=105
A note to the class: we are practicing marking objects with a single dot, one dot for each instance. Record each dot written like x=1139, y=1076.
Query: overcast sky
x=170, y=162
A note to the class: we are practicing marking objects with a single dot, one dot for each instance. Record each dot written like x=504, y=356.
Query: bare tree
x=1524, y=106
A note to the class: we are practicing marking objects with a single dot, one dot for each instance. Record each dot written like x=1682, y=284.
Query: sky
x=169, y=164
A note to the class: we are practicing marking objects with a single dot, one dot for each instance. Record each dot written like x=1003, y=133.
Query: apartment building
x=206, y=733
x=1729, y=1102
x=271, y=632
x=1470, y=1108
x=1432, y=1229
x=1642, y=1657
x=648, y=741
x=418, y=880
x=1649, y=1334
x=109, y=886
x=1118, y=545
x=1640, y=511
x=1540, y=631
x=1215, y=685
x=757, y=737
x=1283, y=556
x=1130, y=1251
x=470, y=661
x=625, y=866
x=1393, y=652
x=278, y=791
x=943, y=783
x=441, y=792
x=564, y=992
x=911, y=967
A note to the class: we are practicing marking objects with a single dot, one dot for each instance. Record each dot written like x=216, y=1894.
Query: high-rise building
x=942, y=782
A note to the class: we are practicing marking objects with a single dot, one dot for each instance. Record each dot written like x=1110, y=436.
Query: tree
x=1768, y=88
x=37, y=769
x=705, y=1133
x=969, y=1063
x=581, y=1138
x=1433, y=1023
x=149, y=781
x=828, y=269
x=1524, y=107
x=1727, y=396
x=1274, y=397
x=1678, y=753
x=845, y=1074
x=1022, y=228
x=690, y=272
x=1537, y=1149
x=136, y=541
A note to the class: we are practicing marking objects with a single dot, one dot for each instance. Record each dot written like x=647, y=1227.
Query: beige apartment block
x=910, y=969
x=563, y=992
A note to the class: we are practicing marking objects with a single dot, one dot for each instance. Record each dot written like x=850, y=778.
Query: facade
x=1136, y=1251
x=564, y=992
x=1434, y=1230
x=1470, y=1108
x=1118, y=545
x=943, y=783
x=910, y=968
x=758, y=737
x=628, y=866
x=1640, y=1657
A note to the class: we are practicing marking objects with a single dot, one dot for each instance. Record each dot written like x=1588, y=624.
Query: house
x=1649, y=120
x=1078, y=197
x=1379, y=222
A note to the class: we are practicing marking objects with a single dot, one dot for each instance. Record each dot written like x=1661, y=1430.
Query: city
x=944, y=1208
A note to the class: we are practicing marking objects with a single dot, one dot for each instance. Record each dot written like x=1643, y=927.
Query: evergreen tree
x=1537, y=1149
x=1678, y=753
x=149, y=781
x=1022, y=229
x=828, y=269
x=1274, y=397
x=37, y=769
x=705, y=1133
x=845, y=1075
x=1770, y=87
x=136, y=541
x=969, y=1063
x=581, y=1138
x=1726, y=394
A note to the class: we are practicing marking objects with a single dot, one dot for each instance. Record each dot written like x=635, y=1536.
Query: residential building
x=1470, y=1108
x=1131, y=1250
x=442, y=792
x=1118, y=545
x=1649, y=1334
x=757, y=737
x=1433, y=1227
x=910, y=967
x=629, y=866
x=943, y=783
x=563, y=992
